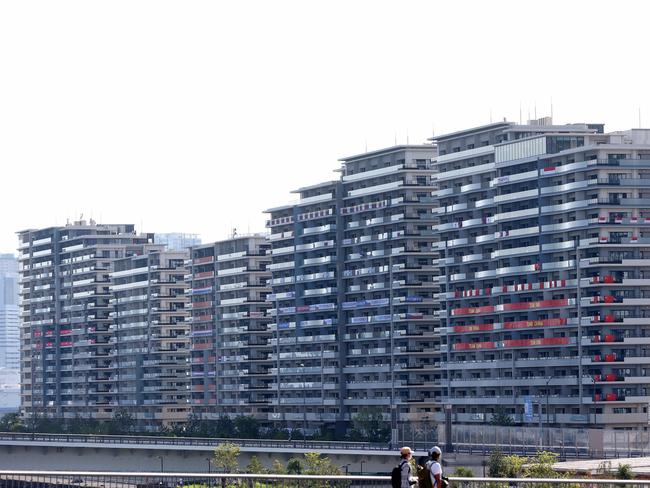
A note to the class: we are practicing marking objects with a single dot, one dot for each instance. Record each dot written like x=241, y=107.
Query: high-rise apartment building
x=307, y=335
x=149, y=373
x=9, y=320
x=545, y=261
x=389, y=282
x=354, y=285
x=67, y=341
x=230, y=363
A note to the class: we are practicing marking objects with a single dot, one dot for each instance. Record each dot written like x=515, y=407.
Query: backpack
x=396, y=475
x=424, y=477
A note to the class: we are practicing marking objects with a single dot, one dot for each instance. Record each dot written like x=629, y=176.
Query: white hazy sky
x=195, y=116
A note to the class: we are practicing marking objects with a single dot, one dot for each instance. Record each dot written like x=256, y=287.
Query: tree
x=255, y=466
x=80, y=425
x=278, y=467
x=624, y=472
x=501, y=417
x=294, y=466
x=463, y=472
x=11, y=422
x=514, y=466
x=317, y=465
x=122, y=422
x=496, y=464
x=49, y=425
x=194, y=426
x=224, y=427
x=541, y=466
x=369, y=425
x=247, y=427
x=274, y=433
x=226, y=457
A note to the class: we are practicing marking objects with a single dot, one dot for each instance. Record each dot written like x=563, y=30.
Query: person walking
x=435, y=469
x=402, y=475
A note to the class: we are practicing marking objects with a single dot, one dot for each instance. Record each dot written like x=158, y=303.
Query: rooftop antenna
x=366, y=140
x=551, y=109
x=407, y=137
x=640, y=118
x=519, y=112
x=535, y=109
x=490, y=115
x=396, y=138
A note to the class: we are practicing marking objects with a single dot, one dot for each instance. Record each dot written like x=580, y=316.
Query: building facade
x=67, y=343
x=354, y=286
x=307, y=334
x=9, y=319
x=545, y=273
x=390, y=283
x=230, y=364
x=150, y=366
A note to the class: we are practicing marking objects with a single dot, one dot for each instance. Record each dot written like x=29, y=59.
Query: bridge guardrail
x=189, y=441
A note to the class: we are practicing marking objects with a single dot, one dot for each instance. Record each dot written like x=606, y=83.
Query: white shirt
x=434, y=469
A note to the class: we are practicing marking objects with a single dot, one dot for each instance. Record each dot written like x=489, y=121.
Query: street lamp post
x=361, y=470
x=209, y=465
x=162, y=464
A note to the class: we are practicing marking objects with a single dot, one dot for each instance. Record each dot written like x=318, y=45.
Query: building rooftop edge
x=386, y=150
x=479, y=128
x=260, y=235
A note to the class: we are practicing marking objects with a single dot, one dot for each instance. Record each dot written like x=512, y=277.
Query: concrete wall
x=195, y=461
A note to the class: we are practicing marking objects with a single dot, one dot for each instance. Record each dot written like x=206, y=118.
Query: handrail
x=135, y=474
x=124, y=474
x=580, y=481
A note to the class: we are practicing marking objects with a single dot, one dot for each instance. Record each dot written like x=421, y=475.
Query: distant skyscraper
x=177, y=241
x=9, y=324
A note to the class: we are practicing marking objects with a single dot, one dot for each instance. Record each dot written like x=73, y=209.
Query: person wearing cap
x=435, y=469
x=407, y=478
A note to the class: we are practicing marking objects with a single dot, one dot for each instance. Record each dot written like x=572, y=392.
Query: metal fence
x=85, y=479
x=520, y=440
x=626, y=443
x=546, y=483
